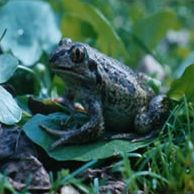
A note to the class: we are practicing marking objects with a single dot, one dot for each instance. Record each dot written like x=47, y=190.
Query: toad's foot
x=90, y=131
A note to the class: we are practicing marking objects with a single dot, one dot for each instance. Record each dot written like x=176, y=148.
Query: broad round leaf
x=183, y=85
x=8, y=65
x=31, y=28
x=10, y=112
x=83, y=152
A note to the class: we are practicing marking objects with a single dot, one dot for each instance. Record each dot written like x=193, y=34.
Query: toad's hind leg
x=90, y=131
x=153, y=116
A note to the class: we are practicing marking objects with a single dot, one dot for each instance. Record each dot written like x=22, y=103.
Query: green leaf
x=84, y=16
x=183, y=85
x=31, y=28
x=10, y=112
x=8, y=65
x=3, y=2
x=5, y=184
x=84, y=152
x=181, y=68
x=152, y=29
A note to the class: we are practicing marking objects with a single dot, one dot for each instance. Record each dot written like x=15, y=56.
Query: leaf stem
x=3, y=34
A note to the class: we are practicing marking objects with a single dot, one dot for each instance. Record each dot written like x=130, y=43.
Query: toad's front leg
x=90, y=131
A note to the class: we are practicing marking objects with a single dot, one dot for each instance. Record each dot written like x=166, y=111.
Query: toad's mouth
x=63, y=71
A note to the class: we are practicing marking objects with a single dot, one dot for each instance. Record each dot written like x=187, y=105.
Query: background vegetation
x=128, y=31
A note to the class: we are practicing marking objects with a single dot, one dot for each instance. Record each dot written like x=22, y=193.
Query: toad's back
x=123, y=92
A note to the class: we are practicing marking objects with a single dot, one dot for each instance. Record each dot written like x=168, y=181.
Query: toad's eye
x=77, y=53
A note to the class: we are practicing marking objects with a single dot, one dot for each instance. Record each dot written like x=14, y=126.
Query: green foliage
x=5, y=185
x=186, y=62
x=148, y=32
x=3, y=2
x=31, y=29
x=172, y=156
x=152, y=29
x=183, y=85
x=10, y=112
x=8, y=65
x=83, y=20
